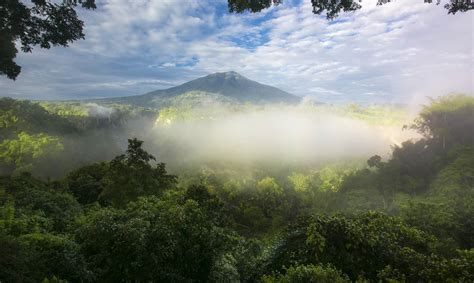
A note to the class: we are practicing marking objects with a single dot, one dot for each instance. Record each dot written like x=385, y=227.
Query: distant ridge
x=229, y=86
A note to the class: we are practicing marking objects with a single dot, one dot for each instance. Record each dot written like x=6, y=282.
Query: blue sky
x=399, y=52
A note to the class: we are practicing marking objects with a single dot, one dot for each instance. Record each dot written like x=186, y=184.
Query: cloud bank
x=275, y=136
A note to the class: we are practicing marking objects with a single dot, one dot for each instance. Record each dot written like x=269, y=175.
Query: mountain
x=228, y=87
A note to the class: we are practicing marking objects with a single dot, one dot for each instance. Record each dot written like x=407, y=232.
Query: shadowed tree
x=446, y=121
x=131, y=175
x=42, y=23
x=332, y=8
x=375, y=161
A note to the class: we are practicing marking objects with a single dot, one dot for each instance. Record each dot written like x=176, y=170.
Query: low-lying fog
x=274, y=135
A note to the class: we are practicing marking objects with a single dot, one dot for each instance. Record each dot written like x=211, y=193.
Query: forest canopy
x=408, y=218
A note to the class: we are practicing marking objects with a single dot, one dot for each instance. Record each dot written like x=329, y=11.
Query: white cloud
x=401, y=51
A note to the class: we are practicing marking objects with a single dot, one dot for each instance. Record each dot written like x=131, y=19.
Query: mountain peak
x=235, y=86
x=231, y=85
x=227, y=75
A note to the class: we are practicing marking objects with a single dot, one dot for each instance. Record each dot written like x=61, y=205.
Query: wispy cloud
x=396, y=52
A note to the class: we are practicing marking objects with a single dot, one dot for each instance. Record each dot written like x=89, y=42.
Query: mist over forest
x=253, y=172
x=276, y=135
x=341, y=149
x=295, y=135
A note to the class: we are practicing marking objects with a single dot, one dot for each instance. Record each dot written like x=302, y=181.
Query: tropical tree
x=369, y=246
x=447, y=120
x=333, y=8
x=86, y=183
x=43, y=23
x=153, y=240
x=131, y=175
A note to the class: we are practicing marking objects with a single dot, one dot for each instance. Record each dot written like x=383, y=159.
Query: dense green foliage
x=130, y=175
x=40, y=23
x=23, y=153
x=331, y=8
x=23, y=116
x=371, y=246
x=68, y=134
x=308, y=273
x=405, y=219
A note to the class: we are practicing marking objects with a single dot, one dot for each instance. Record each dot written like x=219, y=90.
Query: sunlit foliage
x=24, y=116
x=24, y=152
